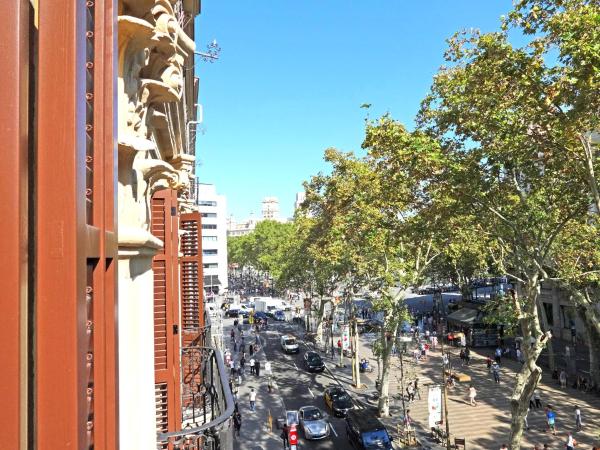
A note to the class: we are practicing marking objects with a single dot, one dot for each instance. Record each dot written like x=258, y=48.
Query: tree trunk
x=321, y=313
x=530, y=373
x=549, y=346
x=593, y=342
x=355, y=355
x=384, y=387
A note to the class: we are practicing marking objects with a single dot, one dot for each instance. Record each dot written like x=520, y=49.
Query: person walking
x=578, y=423
x=257, y=368
x=571, y=443
x=498, y=355
x=237, y=423
x=235, y=346
x=488, y=363
x=285, y=432
x=232, y=367
x=551, y=419
x=472, y=395
x=410, y=392
x=467, y=355
x=242, y=347
x=417, y=390
x=252, y=395
x=563, y=379
x=243, y=363
x=252, y=362
x=538, y=399
x=496, y=372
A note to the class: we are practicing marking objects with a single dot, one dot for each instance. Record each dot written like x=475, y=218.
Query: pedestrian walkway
x=487, y=425
x=255, y=433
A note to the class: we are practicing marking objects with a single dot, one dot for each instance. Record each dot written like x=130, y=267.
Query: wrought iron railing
x=207, y=402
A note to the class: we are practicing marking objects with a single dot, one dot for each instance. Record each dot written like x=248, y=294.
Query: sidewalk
x=255, y=433
x=486, y=426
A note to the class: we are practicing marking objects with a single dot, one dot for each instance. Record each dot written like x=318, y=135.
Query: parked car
x=259, y=315
x=313, y=423
x=365, y=431
x=289, y=344
x=313, y=362
x=338, y=400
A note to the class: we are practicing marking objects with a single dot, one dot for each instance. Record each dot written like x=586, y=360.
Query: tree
x=500, y=113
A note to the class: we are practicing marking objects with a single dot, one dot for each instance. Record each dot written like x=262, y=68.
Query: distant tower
x=300, y=197
x=270, y=208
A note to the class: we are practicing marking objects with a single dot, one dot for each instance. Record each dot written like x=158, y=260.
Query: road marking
x=311, y=393
x=332, y=429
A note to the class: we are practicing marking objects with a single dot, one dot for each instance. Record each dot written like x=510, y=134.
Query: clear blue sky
x=293, y=74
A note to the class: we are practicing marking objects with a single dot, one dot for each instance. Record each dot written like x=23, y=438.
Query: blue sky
x=293, y=74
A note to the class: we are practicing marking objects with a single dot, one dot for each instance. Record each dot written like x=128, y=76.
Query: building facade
x=106, y=334
x=213, y=211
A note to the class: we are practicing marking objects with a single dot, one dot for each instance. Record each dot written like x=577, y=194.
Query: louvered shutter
x=192, y=305
x=165, y=226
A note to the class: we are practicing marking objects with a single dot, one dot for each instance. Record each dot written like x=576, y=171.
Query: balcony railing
x=207, y=402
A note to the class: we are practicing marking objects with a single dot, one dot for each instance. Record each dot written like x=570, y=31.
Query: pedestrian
x=417, y=390
x=268, y=370
x=571, y=443
x=498, y=355
x=252, y=395
x=285, y=436
x=551, y=419
x=232, y=334
x=446, y=360
x=526, y=422
x=472, y=395
x=252, y=362
x=563, y=379
x=467, y=356
x=407, y=420
x=251, y=349
x=235, y=346
x=488, y=363
x=232, y=367
x=242, y=347
x=237, y=423
x=520, y=355
x=257, y=368
x=496, y=372
x=243, y=363
x=235, y=392
x=578, y=423
x=538, y=399
x=462, y=356
x=410, y=392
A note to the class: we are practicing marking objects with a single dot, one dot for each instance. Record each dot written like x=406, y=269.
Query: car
x=259, y=315
x=365, y=431
x=289, y=344
x=313, y=362
x=338, y=400
x=279, y=316
x=312, y=423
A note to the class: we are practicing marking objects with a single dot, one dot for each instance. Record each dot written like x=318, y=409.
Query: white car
x=289, y=344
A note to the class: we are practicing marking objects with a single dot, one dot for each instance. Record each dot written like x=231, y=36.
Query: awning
x=466, y=316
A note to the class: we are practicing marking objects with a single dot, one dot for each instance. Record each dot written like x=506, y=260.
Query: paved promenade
x=487, y=425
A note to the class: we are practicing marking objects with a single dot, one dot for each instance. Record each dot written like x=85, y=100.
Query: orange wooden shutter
x=164, y=225
x=192, y=306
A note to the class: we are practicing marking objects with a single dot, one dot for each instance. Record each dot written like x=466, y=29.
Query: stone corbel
x=158, y=175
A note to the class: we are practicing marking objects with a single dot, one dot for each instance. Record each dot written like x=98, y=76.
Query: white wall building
x=213, y=211
x=270, y=208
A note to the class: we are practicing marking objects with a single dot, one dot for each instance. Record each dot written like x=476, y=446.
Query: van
x=365, y=431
